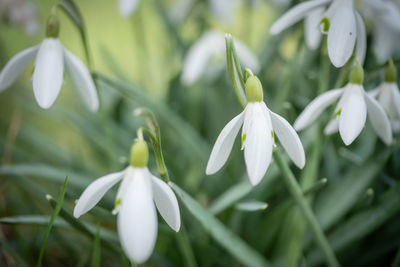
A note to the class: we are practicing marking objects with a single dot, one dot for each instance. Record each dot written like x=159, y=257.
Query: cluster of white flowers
x=141, y=193
x=344, y=26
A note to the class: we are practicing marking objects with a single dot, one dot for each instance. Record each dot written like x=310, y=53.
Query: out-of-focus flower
x=351, y=111
x=259, y=127
x=21, y=13
x=385, y=19
x=341, y=21
x=51, y=57
x=138, y=196
x=388, y=96
x=127, y=7
x=207, y=57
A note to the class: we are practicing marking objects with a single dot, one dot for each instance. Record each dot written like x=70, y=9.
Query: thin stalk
x=305, y=208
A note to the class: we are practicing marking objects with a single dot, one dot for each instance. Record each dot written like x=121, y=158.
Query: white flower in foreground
x=138, y=196
x=388, y=96
x=341, y=21
x=351, y=111
x=51, y=57
x=127, y=7
x=259, y=128
x=207, y=57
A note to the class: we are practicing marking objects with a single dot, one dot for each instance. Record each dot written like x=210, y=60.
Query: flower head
x=51, y=58
x=139, y=194
x=259, y=128
x=350, y=112
x=388, y=96
x=340, y=21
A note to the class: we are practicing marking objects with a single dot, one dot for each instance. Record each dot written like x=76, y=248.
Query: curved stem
x=297, y=194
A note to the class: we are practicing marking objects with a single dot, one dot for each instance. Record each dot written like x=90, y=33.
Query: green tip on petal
x=254, y=90
x=325, y=24
x=357, y=74
x=139, y=154
x=391, y=73
x=53, y=26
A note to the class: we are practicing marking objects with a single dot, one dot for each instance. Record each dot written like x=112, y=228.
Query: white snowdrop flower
x=127, y=7
x=340, y=21
x=51, y=57
x=351, y=111
x=385, y=20
x=207, y=57
x=259, y=128
x=139, y=194
x=388, y=96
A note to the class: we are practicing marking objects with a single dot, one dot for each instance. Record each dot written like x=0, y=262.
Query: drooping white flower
x=127, y=7
x=139, y=194
x=388, y=96
x=384, y=16
x=350, y=112
x=206, y=57
x=259, y=128
x=51, y=58
x=341, y=21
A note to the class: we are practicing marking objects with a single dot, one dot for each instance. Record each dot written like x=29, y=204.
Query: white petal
x=82, y=80
x=378, y=119
x=258, y=147
x=95, y=191
x=385, y=41
x=15, y=66
x=48, y=73
x=311, y=28
x=223, y=145
x=289, y=139
x=166, y=203
x=342, y=33
x=332, y=127
x=137, y=218
x=315, y=108
x=127, y=7
x=396, y=100
x=361, y=45
x=353, y=113
x=295, y=14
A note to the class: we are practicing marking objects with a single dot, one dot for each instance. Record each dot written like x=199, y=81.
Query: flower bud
x=356, y=74
x=53, y=26
x=391, y=73
x=254, y=90
x=139, y=154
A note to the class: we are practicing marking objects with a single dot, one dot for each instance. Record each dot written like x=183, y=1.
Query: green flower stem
x=305, y=208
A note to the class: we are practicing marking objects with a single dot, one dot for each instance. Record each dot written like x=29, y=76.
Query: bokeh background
x=137, y=61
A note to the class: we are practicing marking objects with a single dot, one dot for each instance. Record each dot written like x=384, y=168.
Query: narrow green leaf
x=50, y=225
x=251, y=205
x=334, y=203
x=33, y=220
x=230, y=196
x=362, y=223
x=227, y=239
